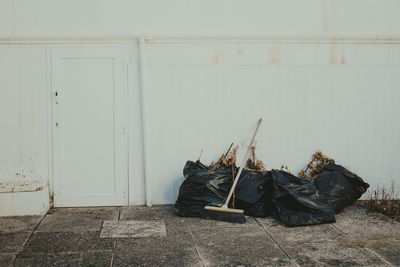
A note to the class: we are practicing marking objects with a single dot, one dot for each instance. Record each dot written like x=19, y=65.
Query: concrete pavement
x=142, y=236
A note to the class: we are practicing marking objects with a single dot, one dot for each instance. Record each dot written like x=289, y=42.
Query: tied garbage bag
x=204, y=186
x=307, y=201
x=296, y=201
x=339, y=187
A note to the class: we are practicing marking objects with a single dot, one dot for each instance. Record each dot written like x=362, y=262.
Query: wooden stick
x=242, y=165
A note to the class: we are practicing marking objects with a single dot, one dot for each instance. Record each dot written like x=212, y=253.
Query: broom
x=224, y=213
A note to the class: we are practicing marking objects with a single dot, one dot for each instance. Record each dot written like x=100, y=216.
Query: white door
x=89, y=86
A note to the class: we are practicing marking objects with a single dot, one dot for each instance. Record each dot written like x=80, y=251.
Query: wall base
x=19, y=203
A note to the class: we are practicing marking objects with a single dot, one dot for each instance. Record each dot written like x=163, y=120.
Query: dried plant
x=317, y=163
x=254, y=163
x=227, y=159
x=384, y=199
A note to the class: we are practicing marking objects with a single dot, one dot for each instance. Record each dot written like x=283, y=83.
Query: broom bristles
x=226, y=216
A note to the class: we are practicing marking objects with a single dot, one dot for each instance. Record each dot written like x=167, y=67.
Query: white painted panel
x=25, y=203
x=90, y=141
x=204, y=96
x=136, y=158
x=23, y=113
x=339, y=97
x=193, y=17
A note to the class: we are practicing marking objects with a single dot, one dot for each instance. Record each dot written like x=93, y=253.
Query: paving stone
x=242, y=256
x=177, y=222
x=174, y=249
x=60, y=259
x=157, y=256
x=18, y=223
x=78, y=220
x=220, y=255
x=255, y=237
x=97, y=258
x=265, y=256
x=331, y=252
x=147, y=213
x=175, y=238
x=389, y=250
x=178, y=230
x=134, y=228
x=237, y=246
x=91, y=258
x=319, y=245
x=17, y=231
x=372, y=230
x=298, y=234
x=364, y=225
x=6, y=259
x=13, y=242
x=65, y=242
x=196, y=223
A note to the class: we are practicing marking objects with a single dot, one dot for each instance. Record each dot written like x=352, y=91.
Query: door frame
x=124, y=53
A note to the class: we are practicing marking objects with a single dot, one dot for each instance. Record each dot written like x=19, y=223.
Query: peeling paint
x=21, y=186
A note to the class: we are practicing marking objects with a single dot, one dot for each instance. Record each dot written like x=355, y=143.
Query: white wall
x=191, y=17
x=323, y=74
x=23, y=109
x=338, y=98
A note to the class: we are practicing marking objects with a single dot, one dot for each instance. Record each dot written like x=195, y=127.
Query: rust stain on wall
x=217, y=57
x=337, y=55
x=274, y=55
x=334, y=57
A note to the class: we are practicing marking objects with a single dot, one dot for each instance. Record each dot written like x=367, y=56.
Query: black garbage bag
x=204, y=186
x=253, y=194
x=296, y=201
x=339, y=187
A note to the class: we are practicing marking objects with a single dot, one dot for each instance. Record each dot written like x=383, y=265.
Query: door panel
x=89, y=120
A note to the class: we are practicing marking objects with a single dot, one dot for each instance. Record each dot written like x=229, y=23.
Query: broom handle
x=242, y=165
